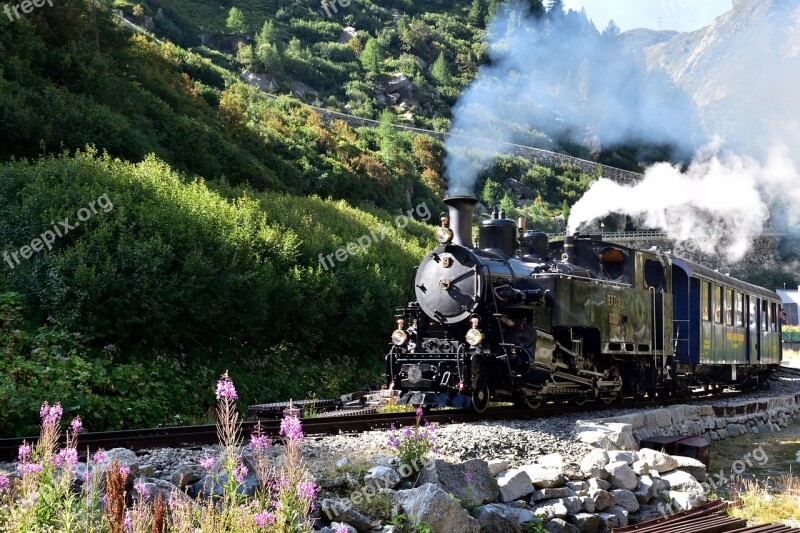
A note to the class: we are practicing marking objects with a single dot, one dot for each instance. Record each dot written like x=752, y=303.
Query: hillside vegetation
x=224, y=199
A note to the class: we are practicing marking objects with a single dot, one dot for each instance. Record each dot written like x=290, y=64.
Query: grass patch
x=764, y=459
x=764, y=504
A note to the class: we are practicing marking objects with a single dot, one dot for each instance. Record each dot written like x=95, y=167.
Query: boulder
x=682, y=481
x=573, y=504
x=431, y=505
x=641, y=468
x=335, y=510
x=587, y=504
x=622, y=455
x=621, y=513
x=153, y=488
x=549, y=494
x=559, y=525
x=581, y=488
x=691, y=466
x=647, y=512
x=452, y=478
x=382, y=477
x=608, y=521
x=596, y=483
x=544, y=476
x=550, y=509
x=626, y=499
x=686, y=501
x=621, y=476
x=553, y=460
x=497, y=518
x=602, y=499
x=658, y=461
x=498, y=465
x=186, y=474
x=213, y=487
x=593, y=465
x=123, y=456
x=572, y=472
x=514, y=484
x=646, y=490
x=585, y=522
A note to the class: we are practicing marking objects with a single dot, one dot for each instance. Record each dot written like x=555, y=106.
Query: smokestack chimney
x=461, y=208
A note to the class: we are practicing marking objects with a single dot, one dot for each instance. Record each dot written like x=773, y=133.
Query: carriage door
x=751, y=323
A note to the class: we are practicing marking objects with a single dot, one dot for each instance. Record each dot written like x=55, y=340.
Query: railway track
x=331, y=423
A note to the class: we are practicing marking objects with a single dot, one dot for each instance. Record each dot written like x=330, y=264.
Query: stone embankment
x=714, y=422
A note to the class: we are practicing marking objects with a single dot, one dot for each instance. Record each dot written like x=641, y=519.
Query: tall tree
x=555, y=10
x=236, y=21
x=477, y=14
x=372, y=56
x=612, y=31
x=440, y=71
x=268, y=35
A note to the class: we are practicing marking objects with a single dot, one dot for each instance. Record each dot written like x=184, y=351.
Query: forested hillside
x=224, y=198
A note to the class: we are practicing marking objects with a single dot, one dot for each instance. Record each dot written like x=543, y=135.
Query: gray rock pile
x=603, y=490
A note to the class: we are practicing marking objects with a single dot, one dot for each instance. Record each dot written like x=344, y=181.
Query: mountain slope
x=742, y=71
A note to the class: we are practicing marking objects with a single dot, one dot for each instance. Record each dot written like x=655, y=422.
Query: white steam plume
x=559, y=80
x=718, y=205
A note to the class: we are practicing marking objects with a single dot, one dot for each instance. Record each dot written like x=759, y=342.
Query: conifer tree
x=440, y=71
x=236, y=21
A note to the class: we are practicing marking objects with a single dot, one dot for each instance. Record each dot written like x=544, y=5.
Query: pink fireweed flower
x=51, y=415
x=66, y=458
x=127, y=524
x=76, y=425
x=24, y=452
x=5, y=482
x=239, y=471
x=342, y=529
x=225, y=388
x=98, y=457
x=264, y=519
x=307, y=490
x=85, y=477
x=469, y=477
x=207, y=462
x=259, y=442
x=419, y=412
x=393, y=441
x=125, y=471
x=140, y=486
x=291, y=428
x=30, y=468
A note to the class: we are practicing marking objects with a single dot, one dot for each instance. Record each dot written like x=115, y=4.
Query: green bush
x=208, y=279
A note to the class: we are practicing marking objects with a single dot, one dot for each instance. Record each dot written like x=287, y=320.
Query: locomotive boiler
x=519, y=319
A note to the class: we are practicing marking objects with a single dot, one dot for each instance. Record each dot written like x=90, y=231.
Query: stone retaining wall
x=713, y=422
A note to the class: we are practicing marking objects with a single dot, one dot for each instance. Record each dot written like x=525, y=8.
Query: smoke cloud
x=718, y=205
x=556, y=81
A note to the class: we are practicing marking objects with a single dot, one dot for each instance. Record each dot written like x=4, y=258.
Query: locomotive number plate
x=447, y=262
x=613, y=300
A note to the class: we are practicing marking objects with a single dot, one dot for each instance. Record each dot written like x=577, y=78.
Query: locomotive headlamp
x=474, y=337
x=444, y=235
x=400, y=337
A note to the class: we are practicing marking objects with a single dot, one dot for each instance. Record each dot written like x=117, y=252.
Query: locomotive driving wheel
x=480, y=398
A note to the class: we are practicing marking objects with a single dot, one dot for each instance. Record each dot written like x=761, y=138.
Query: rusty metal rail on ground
x=708, y=518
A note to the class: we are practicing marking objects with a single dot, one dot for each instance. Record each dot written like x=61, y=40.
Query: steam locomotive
x=520, y=319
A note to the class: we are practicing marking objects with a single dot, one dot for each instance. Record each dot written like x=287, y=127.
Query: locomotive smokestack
x=461, y=208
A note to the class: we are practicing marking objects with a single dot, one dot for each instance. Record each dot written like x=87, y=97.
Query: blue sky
x=681, y=15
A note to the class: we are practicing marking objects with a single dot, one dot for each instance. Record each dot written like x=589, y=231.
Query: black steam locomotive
x=524, y=320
